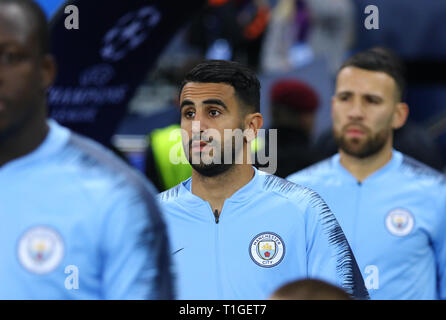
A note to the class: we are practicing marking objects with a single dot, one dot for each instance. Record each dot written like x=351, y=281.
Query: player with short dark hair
x=391, y=207
x=236, y=232
x=76, y=222
x=381, y=60
x=242, y=79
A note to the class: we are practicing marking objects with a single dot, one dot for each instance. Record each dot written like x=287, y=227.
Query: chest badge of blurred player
x=40, y=249
x=267, y=249
x=399, y=222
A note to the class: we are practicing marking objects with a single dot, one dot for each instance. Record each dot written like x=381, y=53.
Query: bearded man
x=236, y=232
x=391, y=207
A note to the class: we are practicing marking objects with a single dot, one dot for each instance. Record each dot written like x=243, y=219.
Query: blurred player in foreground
x=391, y=207
x=76, y=222
x=238, y=233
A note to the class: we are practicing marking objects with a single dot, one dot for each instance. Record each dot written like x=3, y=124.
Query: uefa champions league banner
x=101, y=64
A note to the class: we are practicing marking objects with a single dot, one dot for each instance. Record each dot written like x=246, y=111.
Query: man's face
x=216, y=108
x=24, y=76
x=364, y=111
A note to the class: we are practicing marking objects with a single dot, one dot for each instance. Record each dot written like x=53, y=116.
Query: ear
x=400, y=115
x=49, y=70
x=254, y=121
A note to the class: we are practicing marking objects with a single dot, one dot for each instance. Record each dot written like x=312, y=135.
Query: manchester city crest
x=267, y=249
x=399, y=222
x=40, y=249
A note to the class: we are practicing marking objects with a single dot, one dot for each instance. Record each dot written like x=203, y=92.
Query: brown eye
x=214, y=113
x=372, y=100
x=10, y=57
x=189, y=114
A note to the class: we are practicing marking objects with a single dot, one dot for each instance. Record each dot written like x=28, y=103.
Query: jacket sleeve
x=135, y=248
x=439, y=246
x=329, y=256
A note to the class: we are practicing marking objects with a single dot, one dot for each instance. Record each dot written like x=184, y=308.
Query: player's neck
x=361, y=168
x=23, y=140
x=217, y=189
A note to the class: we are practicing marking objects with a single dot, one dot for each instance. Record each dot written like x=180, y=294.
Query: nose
x=199, y=124
x=356, y=111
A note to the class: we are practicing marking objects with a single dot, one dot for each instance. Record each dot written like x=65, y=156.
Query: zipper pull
x=216, y=215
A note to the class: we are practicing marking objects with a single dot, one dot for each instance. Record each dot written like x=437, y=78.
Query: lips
x=198, y=145
x=355, y=131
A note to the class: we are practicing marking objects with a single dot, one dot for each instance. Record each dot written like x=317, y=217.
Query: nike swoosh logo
x=177, y=251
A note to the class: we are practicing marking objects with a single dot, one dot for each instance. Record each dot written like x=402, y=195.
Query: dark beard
x=211, y=170
x=372, y=146
x=215, y=169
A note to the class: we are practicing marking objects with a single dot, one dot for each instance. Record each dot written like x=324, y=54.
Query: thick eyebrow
x=217, y=102
x=186, y=103
x=349, y=93
x=373, y=96
x=208, y=101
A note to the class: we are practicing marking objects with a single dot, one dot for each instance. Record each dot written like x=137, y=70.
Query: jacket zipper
x=217, y=216
x=357, y=213
x=217, y=254
x=217, y=251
